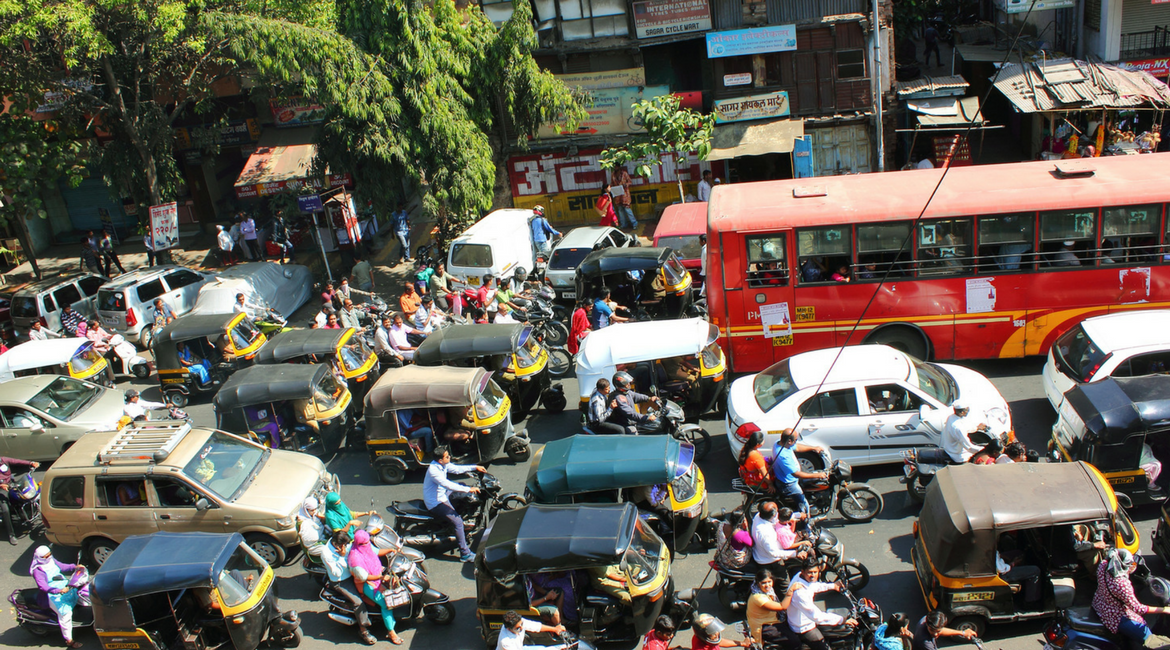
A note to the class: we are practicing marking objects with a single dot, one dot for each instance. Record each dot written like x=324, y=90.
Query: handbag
x=397, y=595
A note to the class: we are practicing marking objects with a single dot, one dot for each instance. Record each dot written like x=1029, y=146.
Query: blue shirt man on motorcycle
x=786, y=469
x=624, y=412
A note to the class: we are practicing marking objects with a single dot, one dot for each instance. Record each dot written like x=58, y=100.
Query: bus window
x=882, y=247
x=1129, y=234
x=1067, y=236
x=820, y=251
x=766, y=266
x=944, y=246
x=1006, y=242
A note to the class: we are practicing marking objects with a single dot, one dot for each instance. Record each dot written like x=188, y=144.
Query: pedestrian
x=705, y=187
x=363, y=273
x=225, y=246
x=930, y=35
x=703, y=265
x=109, y=257
x=280, y=238
x=619, y=189
x=400, y=224
x=251, y=240
x=89, y=257
x=148, y=243
x=542, y=232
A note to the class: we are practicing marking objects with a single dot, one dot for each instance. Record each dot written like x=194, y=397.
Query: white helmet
x=961, y=405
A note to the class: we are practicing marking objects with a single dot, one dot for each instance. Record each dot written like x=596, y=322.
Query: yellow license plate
x=777, y=341
x=970, y=596
x=473, y=281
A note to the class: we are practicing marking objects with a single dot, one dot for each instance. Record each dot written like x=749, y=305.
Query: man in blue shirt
x=542, y=231
x=786, y=469
x=603, y=314
x=437, y=489
x=400, y=224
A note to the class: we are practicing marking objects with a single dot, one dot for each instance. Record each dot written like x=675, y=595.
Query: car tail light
x=745, y=431
x=1095, y=368
x=131, y=319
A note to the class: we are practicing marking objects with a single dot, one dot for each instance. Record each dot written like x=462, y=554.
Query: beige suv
x=168, y=476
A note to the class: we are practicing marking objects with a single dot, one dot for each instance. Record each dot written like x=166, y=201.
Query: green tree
x=669, y=131
x=33, y=155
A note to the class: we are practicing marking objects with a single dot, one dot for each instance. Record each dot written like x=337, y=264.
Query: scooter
x=34, y=614
x=1079, y=628
x=417, y=527
x=381, y=536
x=125, y=360
x=24, y=503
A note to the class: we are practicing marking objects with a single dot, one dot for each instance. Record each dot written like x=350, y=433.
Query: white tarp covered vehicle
x=265, y=285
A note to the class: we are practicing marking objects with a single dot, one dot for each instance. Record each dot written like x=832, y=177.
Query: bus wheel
x=906, y=339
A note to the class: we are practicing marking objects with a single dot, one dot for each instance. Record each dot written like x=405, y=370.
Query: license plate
x=110, y=321
x=569, y=294
x=473, y=281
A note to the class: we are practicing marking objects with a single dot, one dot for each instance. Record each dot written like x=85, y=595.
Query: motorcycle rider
x=597, y=417
x=804, y=616
x=956, y=435
x=50, y=576
x=437, y=489
x=6, y=466
x=341, y=583
x=786, y=472
x=1115, y=602
x=623, y=412
x=135, y=406
x=514, y=628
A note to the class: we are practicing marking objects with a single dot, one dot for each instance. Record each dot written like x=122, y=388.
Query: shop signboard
x=1024, y=6
x=757, y=40
x=310, y=203
x=292, y=185
x=164, y=225
x=231, y=134
x=752, y=107
x=603, y=80
x=737, y=79
x=1160, y=68
x=296, y=111
x=665, y=17
x=611, y=112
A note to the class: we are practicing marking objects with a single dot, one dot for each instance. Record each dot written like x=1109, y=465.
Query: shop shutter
x=1143, y=16
x=84, y=201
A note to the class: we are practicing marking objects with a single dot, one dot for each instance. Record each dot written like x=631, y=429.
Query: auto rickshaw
x=1122, y=427
x=462, y=407
x=650, y=282
x=574, y=547
x=520, y=361
x=220, y=343
x=656, y=473
x=299, y=407
x=1030, y=512
x=344, y=349
x=72, y=357
x=192, y=591
x=678, y=359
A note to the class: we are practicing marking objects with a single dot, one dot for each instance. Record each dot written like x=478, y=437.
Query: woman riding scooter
x=50, y=576
x=1116, y=603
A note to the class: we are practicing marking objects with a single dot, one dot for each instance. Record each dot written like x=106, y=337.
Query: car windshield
x=85, y=358
x=935, y=381
x=224, y=464
x=1077, y=354
x=674, y=271
x=567, y=258
x=686, y=247
x=354, y=354
x=243, y=334
x=472, y=255
x=240, y=576
x=327, y=393
x=711, y=356
x=65, y=397
x=529, y=353
x=24, y=307
x=642, y=557
x=684, y=487
x=490, y=399
x=773, y=385
x=111, y=300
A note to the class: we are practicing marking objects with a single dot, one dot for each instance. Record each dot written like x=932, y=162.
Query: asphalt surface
x=882, y=545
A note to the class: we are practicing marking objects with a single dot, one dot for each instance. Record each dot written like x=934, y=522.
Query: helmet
x=961, y=405
x=131, y=394
x=520, y=274
x=708, y=627
x=538, y=209
x=622, y=380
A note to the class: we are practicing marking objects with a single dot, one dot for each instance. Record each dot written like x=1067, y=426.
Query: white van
x=497, y=244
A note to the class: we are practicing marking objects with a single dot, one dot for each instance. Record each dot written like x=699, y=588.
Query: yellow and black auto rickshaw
x=344, y=349
x=193, y=591
x=299, y=407
x=656, y=473
x=1028, y=515
x=462, y=408
x=196, y=353
x=650, y=282
x=518, y=359
x=71, y=357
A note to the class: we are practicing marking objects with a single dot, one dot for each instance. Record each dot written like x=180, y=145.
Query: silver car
x=125, y=305
x=574, y=247
x=42, y=416
x=43, y=300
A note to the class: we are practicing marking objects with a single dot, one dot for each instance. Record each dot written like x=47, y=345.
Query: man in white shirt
x=40, y=333
x=804, y=617
x=514, y=628
x=703, y=265
x=340, y=581
x=437, y=489
x=400, y=338
x=427, y=317
x=503, y=317
x=136, y=406
x=387, y=355
x=766, y=547
x=705, y=187
x=956, y=435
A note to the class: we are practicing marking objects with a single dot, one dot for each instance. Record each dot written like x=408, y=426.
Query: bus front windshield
x=773, y=385
x=642, y=557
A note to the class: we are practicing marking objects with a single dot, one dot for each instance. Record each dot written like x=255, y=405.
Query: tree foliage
x=669, y=131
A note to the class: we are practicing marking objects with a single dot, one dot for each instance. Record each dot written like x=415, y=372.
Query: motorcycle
x=417, y=527
x=125, y=360
x=34, y=614
x=381, y=537
x=857, y=502
x=1079, y=628
x=844, y=637
x=24, y=503
x=920, y=465
x=670, y=419
x=547, y=324
x=271, y=323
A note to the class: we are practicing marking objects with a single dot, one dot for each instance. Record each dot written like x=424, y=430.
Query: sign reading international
x=665, y=17
x=758, y=40
x=753, y=107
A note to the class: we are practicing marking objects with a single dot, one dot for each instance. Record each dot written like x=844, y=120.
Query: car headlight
x=285, y=522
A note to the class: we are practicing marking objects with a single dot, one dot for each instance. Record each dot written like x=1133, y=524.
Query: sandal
x=394, y=638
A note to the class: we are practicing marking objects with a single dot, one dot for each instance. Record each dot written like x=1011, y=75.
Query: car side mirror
x=202, y=504
x=37, y=428
x=924, y=411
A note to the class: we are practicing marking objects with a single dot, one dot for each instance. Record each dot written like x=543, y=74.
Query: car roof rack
x=144, y=441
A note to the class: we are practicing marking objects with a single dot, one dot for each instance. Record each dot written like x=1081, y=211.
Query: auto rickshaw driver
x=196, y=365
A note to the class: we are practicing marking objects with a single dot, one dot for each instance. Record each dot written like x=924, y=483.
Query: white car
x=876, y=402
x=1127, y=344
x=267, y=285
x=574, y=247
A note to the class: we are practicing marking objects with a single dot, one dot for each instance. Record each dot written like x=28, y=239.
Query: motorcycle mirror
x=202, y=504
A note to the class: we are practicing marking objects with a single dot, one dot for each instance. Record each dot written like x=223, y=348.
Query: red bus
x=1004, y=260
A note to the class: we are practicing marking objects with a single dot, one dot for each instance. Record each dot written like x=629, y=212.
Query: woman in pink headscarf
x=365, y=563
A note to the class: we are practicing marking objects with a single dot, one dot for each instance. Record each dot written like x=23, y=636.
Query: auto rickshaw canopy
x=602, y=351
x=299, y=343
x=265, y=384
x=412, y=387
x=159, y=562
x=1115, y=408
x=968, y=506
x=187, y=328
x=541, y=538
x=619, y=260
x=466, y=341
x=583, y=463
x=39, y=354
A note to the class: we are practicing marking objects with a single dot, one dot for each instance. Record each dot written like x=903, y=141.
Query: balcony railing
x=1144, y=45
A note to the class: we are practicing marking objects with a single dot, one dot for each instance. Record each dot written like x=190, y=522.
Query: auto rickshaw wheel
x=295, y=640
x=177, y=399
x=391, y=473
x=440, y=613
x=267, y=548
x=518, y=451
x=964, y=623
x=33, y=629
x=916, y=491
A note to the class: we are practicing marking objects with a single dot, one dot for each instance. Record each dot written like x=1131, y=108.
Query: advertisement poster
x=1023, y=6
x=737, y=79
x=759, y=40
x=164, y=225
x=665, y=17
x=1160, y=68
x=297, y=111
x=776, y=320
x=980, y=296
x=604, y=80
x=753, y=107
x=611, y=112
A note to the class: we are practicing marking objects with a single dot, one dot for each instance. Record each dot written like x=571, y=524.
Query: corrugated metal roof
x=967, y=114
x=1070, y=85
x=927, y=84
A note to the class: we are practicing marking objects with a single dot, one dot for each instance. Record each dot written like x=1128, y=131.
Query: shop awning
x=281, y=163
x=754, y=138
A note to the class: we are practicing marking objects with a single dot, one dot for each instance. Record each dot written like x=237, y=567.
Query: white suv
x=573, y=248
x=125, y=305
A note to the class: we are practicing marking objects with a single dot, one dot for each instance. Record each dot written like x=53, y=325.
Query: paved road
x=883, y=545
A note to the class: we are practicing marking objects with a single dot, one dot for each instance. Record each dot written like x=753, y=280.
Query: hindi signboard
x=164, y=225
x=603, y=80
x=758, y=40
x=310, y=203
x=753, y=107
x=665, y=17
